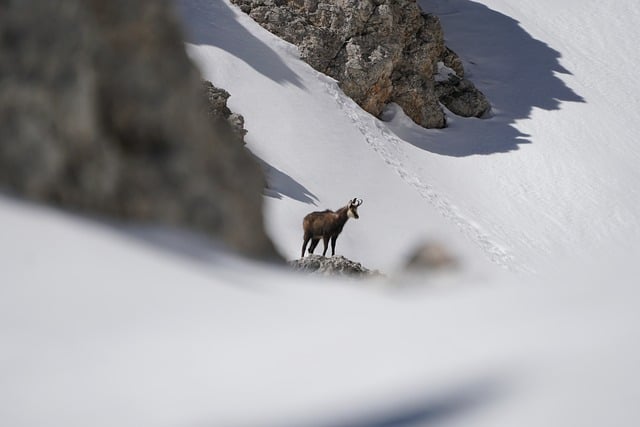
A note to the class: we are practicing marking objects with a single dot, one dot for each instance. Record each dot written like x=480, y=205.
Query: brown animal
x=327, y=225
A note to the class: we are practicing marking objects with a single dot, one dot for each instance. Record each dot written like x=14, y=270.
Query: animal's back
x=315, y=222
x=317, y=214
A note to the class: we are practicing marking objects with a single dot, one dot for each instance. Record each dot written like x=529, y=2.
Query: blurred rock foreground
x=102, y=112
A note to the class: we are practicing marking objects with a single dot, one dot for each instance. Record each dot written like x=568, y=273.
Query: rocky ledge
x=331, y=266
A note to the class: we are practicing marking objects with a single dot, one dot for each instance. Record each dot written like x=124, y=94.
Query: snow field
x=103, y=324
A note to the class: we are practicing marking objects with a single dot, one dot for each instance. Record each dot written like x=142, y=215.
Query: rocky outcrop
x=380, y=51
x=102, y=112
x=222, y=117
x=458, y=94
x=331, y=266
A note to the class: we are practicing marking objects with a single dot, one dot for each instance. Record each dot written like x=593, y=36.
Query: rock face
x=380, y=51
x=102, y=112
x=222, y=117
x=329, y=266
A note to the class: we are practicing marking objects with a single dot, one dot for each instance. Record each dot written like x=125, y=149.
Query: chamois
x=327, y=225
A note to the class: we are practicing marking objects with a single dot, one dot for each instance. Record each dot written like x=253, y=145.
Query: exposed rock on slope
x=335, y=265
x=101, y=111
x=223, y=118
x=380, y=52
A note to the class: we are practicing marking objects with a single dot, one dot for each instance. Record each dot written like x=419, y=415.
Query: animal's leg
x=314, y=243
x=333, y=245
x=304, y=245
x=325, y=240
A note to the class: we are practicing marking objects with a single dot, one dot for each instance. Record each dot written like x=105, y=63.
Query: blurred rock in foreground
x=102, y=112
x=431, y=256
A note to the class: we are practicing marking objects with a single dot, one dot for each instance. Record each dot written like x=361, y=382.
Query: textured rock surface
x=102, y=112
x=335, y=265
x=222, y=117
x=380, y=51
x=458, y=94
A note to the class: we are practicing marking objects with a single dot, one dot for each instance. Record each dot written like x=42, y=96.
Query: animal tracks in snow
x=390, y=149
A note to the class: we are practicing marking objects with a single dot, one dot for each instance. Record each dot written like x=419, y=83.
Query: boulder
x=379, y=51
x=432, y=256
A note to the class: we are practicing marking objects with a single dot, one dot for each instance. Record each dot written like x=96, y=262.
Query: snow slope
x=105, y=325
x=102, y=324
x=549, y=176
x=320, y=148
x=554, y=172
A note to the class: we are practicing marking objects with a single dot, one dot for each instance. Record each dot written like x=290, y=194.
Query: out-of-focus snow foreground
x=109, y=325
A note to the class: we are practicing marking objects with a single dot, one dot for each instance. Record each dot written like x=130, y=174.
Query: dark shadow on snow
x=516, y=72
x=280, y=184
x=433, y=410
x=214, y=23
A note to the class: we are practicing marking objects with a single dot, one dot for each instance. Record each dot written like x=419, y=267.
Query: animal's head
x=352, y=208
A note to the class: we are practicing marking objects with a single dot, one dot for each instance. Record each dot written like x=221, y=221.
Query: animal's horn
x=358, y=202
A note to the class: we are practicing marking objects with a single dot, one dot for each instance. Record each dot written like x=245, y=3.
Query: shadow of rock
x=434, y=410
x=280, y=184
x=515, y=71
x=214, y=23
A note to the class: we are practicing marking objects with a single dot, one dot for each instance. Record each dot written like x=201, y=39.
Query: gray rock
x=331, y=266
x=102, y=112
x=457, y=93
x=379, y=51
x=220, y=114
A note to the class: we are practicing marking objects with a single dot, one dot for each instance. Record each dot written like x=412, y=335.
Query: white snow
x=104, y=324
